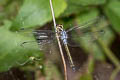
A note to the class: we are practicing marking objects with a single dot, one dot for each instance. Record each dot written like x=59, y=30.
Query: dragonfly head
x=59, y=27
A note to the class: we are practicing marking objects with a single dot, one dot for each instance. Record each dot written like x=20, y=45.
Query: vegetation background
x=94, y=61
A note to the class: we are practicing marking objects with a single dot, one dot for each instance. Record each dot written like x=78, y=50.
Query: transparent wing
x=31, y=32
x=44, y=36
x=41, y=37
x=85, y=30
x=86, y=24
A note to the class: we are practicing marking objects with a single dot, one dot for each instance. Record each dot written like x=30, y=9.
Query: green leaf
x=87, y=2
x=11, y=51
x=87, y=16
x=112, y=10
x=73, y=9
x=9, y=10
x=77, y=6
x=37, y=12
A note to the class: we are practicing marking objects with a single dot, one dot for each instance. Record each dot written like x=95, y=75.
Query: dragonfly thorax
x=63, y=36
x=62, y=33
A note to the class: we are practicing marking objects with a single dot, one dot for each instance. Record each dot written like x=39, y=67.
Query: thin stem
x=114, y=73
x=53, y=15
x=109, y=53
x=58, y=40
x=106, y=49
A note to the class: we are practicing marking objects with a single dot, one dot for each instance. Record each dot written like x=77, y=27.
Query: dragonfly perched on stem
x=68, y=37
x=65, y=37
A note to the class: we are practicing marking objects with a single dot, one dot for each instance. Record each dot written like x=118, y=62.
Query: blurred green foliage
x=17, y=14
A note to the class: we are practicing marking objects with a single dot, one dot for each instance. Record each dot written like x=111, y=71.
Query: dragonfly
x=44, y=37
x=67, y=37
